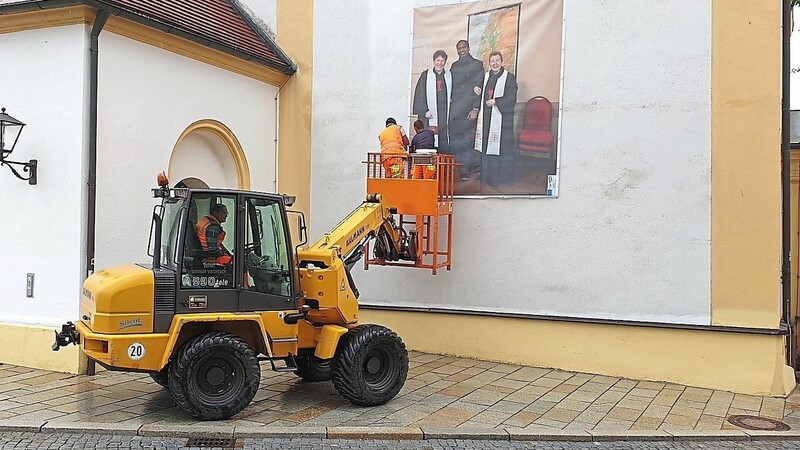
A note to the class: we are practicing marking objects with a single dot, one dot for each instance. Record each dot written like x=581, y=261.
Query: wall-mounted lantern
x=10, y=129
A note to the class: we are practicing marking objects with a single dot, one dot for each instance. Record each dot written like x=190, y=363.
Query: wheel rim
x=379, y=368
x=218, y=379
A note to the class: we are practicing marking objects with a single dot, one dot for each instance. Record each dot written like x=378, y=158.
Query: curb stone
x=761, y=435
x=279, y=432
x=219, y=431
x=223, y=430
x=629, y=435
x=91, y=427
x=21, y=425
x=487, y=434
x=716, y=435
x=555, y=435
x=407, y=433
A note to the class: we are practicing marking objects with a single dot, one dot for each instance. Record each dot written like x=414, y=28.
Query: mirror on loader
x=299, y=231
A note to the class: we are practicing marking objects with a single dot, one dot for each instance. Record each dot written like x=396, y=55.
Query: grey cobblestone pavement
x=441, y=392
x=20, y=440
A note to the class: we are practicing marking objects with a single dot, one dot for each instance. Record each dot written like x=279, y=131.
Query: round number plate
x=136, y=351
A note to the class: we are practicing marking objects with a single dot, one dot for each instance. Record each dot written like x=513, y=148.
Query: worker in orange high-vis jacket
x=393, y=140
x=211, y=235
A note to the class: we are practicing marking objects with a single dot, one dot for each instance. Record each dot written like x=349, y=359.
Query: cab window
x=209, y=242
x=266, y=252
x=171, y=215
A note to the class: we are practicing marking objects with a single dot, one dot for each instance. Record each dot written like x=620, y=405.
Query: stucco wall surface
x=42, y=86
x=629, y=236
x=147, y=98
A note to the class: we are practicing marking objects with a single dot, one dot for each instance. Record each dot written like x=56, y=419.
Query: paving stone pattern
x=441, y=392
x=19, y=440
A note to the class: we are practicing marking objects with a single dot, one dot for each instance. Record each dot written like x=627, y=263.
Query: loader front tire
x=311, y=368
x=215, y=376
x=370, y=365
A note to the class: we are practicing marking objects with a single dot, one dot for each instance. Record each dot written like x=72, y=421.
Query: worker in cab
x=393, y=141
x=211, y=235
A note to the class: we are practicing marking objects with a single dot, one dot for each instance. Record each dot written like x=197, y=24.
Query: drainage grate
x=758, y=423
x=213, y=442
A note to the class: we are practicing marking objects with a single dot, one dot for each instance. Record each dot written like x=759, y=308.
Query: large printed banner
x=486, y=80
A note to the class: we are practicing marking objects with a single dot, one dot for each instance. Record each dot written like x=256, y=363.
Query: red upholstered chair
x=535, y=137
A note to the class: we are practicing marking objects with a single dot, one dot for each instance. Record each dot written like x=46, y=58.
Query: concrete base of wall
x=29, y=346
x=744, y=363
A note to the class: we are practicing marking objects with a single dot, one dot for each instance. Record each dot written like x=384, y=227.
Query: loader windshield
x=170, y=220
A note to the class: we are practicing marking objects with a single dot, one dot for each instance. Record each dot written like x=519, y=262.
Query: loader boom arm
x=365, y=221
x=325, y=281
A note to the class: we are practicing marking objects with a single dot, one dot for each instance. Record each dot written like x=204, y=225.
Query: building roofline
x=288, y=67
x=261, y=33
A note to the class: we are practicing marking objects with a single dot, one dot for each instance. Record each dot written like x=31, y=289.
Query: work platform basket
x=420, y=186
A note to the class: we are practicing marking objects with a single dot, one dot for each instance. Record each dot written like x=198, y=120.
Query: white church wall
x=629, y=235
x=42, y=86
x=147, y=98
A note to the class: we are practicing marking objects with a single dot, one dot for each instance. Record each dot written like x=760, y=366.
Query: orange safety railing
x=420, y=186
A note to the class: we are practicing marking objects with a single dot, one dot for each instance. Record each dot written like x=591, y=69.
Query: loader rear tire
x=161, y=377
x=370, y=365
x=311, y=368
x=215, y=376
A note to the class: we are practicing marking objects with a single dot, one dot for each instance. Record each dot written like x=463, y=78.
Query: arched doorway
x=207, y=154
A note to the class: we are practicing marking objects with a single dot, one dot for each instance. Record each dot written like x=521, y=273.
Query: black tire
x=174, y=384
x=412, y=246
x=311, y=368
x=381, y=249
x=215, y=376
x=161, y=377
x=370, y=365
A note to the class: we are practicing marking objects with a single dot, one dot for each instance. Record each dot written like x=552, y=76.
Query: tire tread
x=346, y=367
x=180, y=376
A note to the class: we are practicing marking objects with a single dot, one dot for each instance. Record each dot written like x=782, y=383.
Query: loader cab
x=257, y=275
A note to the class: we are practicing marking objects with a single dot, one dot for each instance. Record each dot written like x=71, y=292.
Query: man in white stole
x=432, y=99
x=494, y=136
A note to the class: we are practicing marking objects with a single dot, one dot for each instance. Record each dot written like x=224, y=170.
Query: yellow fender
x=180, y=320
x=328, y=340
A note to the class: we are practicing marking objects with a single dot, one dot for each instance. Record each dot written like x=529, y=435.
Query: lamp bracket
x=27, y=167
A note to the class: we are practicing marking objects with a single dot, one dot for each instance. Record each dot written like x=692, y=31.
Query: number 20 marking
x=136, y=351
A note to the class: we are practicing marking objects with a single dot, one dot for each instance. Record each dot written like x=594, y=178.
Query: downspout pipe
x=786, y=282
x=99, y=23
x=277, y=131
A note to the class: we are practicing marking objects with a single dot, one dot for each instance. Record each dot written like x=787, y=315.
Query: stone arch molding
x=213, y=134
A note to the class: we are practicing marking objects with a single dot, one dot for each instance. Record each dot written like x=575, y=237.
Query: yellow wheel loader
x=199, y=324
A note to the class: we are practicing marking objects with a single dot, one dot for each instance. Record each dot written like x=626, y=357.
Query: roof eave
x=288, y=68
x=291, y=66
